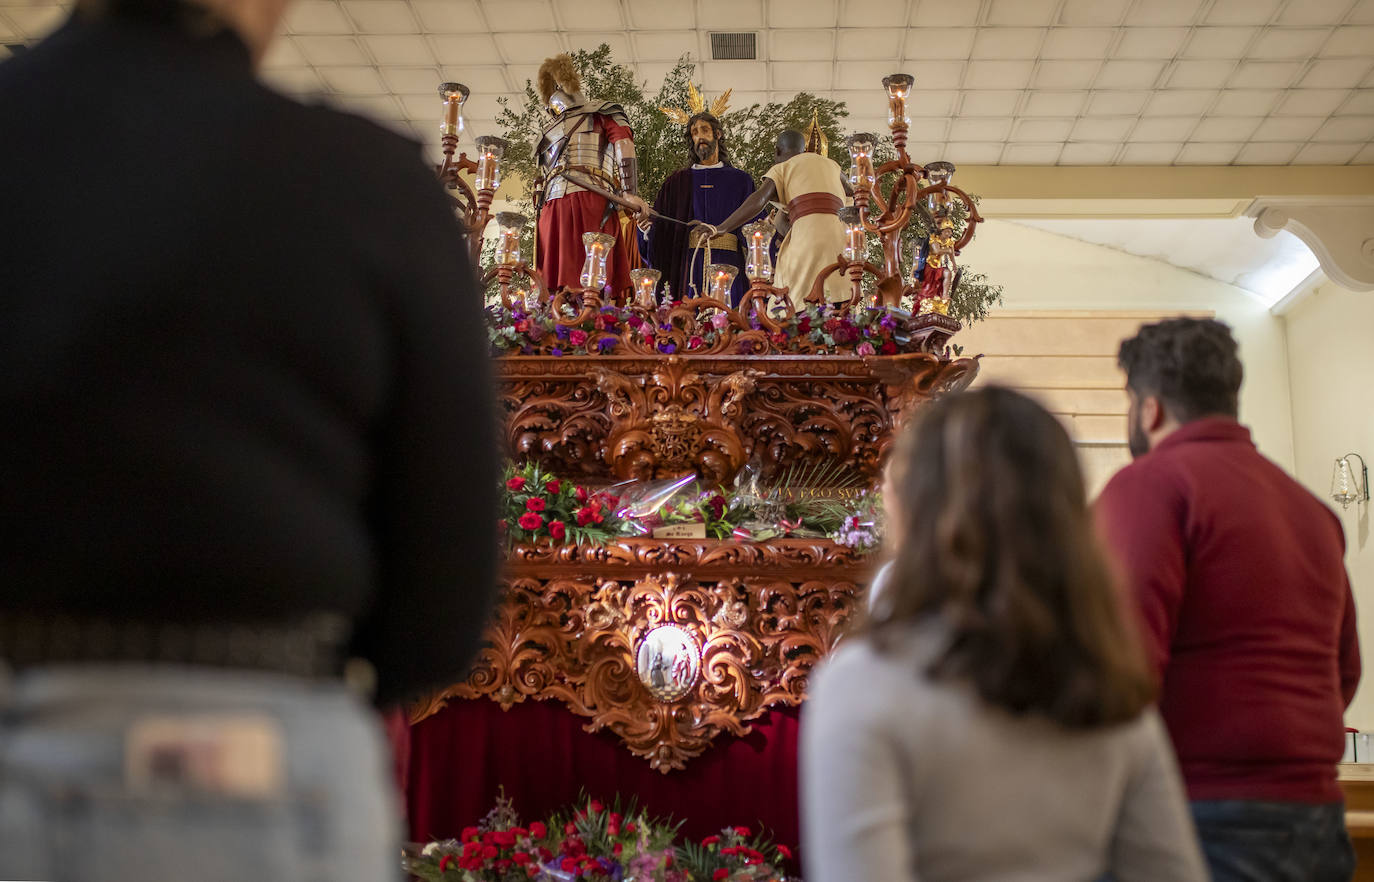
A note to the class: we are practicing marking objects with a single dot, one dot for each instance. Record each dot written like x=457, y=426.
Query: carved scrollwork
x=664, y=658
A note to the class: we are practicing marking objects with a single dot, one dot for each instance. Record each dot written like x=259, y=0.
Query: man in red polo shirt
x=1246, y=609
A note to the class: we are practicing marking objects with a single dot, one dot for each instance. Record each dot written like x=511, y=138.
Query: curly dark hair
x=715, y=126
x=1190, y=364
x=994, y=541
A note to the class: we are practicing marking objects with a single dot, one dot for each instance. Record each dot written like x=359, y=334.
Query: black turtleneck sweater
x=242, y=365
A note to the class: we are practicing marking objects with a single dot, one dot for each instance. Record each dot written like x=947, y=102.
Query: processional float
x=660, y=389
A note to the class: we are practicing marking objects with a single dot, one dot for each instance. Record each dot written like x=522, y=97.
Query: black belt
x=312, y=648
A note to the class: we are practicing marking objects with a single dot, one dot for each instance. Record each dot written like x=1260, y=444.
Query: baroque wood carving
x=665, y=644
x=615, y=418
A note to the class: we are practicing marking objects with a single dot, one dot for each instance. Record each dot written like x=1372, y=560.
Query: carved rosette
x=608, y=418
x=671, y=643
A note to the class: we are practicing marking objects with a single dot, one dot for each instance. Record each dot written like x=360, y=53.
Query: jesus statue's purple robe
x=709, y=194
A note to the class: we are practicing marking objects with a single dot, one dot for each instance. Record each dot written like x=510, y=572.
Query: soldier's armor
x=573, y=141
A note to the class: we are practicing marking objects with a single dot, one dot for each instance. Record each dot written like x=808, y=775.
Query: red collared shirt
x=1248, y=617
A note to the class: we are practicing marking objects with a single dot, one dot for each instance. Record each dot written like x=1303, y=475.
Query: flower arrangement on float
x=539, y=508
x=593, y=842
x=615, y=330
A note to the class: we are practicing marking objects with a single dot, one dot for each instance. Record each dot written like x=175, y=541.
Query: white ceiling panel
x=1150, y=81
x=800, y=45
x=1246, y=102
x=325, y=51
x=992, y=102
x=449, y=16
x=1078, y=43
x=1151, y=42
x=925, y=151
x=1057, y=104
x=1268, y=153
x=1253, y=12
x=988, y=74
x=1208, y=154
x=933, y=43
x=1008, y=42
x=1312, y=102
x=461, y=49
x=399, y=49
x=729, y=15
x=864, y=43
x=1093, y=12
x=381, y=16
x=589, y=15
x=362, y=80
x=1173, y=102
x=791, y=14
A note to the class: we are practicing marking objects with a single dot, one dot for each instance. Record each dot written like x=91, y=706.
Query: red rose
x=584, y=516
x=742, y=831
x=554, y=485
x=888, y=348
x=537, y=829
x=522, y=326
x=557, y=529
x=785, y=852
x=515, y=484
x=470, y=833
x=694, y=342
x=580, y=494
x=804, y=326
x=577, y=337
x=779, y=339
x=531, y=521
x=722, y=873
x=503, y=865
x=535, y=504
x=709, y=841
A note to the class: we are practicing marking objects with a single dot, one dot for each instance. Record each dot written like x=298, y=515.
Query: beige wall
x=1331, y=358
x=1087, y=298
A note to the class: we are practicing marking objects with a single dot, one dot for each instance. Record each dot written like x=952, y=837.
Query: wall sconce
x=1346, y=486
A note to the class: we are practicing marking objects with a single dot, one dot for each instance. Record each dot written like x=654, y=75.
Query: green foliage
x=749, y=134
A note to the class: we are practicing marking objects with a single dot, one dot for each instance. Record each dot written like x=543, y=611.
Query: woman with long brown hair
x=990, y=718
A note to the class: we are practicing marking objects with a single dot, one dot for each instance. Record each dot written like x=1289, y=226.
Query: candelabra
x=924, y=190
x=520, y=283
x=474, y=199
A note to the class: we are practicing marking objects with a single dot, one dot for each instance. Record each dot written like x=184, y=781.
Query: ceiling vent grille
x=734, y=47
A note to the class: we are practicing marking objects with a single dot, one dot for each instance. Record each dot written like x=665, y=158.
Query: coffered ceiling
x=1037, y=82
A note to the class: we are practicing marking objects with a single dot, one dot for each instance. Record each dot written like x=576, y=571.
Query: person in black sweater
x=248, y=429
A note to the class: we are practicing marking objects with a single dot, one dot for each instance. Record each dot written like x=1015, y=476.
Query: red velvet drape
x=540, y=753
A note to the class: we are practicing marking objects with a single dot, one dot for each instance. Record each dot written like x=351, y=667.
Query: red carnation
x=785, y=852
x=515, y=484
x=445, y=861
x=535, y=504
x=489, y=852
x=503, y=838
x=470, y=833
x=570, y=828
x=742, y=831
x=617, y=849
x=521, y=858
x=531, y=521
x=537, y=829
x=630, y=827
x=557, y=529
x=596, y=806
x=722, y=873
x=710, y=841
x=503, y=865
x=471, y=848
x=569, y=865
x=554, y=485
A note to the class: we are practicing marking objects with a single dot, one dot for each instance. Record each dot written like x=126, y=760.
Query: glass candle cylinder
x=854, y=233
x=598, y=247
x=646, y=285
x=453, y=95
x=722, y=276
x=861, y=146
x=490, y=151
x=508, y=227
x=898, y=88
x=939, y=173
x=758, y=264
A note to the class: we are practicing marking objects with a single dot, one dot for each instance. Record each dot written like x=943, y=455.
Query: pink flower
x=865, y=348
x=577, y=337
x=720, y=320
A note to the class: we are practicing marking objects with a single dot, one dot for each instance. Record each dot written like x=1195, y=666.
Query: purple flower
x=667, y=347
x=561, y=331
x=720, y=320
x=635, y=322
x=606, y=344
x=888, y=321
x=556, y=353
x=527, y=349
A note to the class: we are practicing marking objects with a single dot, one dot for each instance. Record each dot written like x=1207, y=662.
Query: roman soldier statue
x=588, y=173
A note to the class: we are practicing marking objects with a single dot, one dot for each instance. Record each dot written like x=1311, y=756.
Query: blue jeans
x=155, y=773
x=1246, y=841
